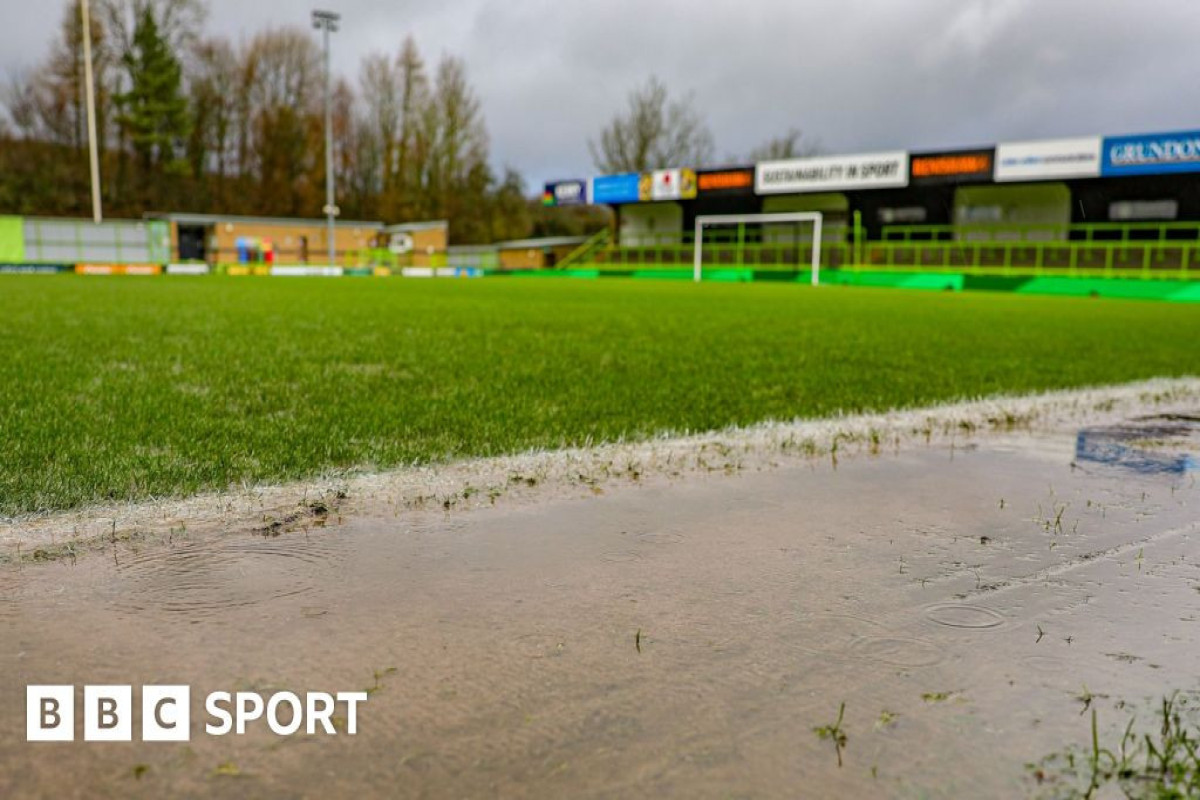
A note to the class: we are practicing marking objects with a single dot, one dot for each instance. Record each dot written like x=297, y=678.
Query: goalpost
x=735, y=219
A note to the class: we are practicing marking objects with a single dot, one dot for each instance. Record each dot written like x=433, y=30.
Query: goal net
x=787, y=239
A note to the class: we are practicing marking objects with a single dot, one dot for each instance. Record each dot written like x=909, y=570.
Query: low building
x=544, y=253
x=226, y=239
x=418, y=244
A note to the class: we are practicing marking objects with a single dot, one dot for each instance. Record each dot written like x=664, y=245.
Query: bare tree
x=414, y=98
x=21, y=105
x=655, y=132
x=213, y=88
x=458, y=138
x=52, y=97
x=379, y=84
x=282, y=74
x=792, y=144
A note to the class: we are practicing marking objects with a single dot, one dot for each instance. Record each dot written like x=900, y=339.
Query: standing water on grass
x=695, y=638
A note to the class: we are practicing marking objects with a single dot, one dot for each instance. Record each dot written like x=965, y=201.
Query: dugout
x=1136, y=199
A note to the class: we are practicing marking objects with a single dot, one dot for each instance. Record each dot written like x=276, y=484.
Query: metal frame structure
x=327, y=23
x=814, y=217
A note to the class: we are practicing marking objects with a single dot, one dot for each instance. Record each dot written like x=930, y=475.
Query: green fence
x=1135, y=250
x=1089, y=250
x=62, y=240
x=785, y=247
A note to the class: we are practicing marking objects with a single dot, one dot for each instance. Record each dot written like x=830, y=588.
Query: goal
x=713, y=220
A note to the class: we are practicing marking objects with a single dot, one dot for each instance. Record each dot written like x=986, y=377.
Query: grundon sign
x=830, y=174
x=1151, y=153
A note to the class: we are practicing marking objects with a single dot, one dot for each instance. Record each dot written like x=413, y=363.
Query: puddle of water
x=1149, y=445
x=672, y=640
x=958, y=615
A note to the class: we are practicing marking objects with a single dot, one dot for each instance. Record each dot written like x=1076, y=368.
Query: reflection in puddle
x=1152, y=445
x=681, y=639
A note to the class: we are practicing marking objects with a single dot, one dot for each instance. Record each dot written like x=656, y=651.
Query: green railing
x=1146, y=249
x=1149, y=250
x=1087, y=232
x=773, y=247
x=1106, y=259
x=586, y=251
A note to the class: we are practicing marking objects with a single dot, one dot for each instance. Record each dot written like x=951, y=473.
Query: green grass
x=127, y=388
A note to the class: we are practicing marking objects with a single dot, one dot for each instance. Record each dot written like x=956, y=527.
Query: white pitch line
x=537, y=476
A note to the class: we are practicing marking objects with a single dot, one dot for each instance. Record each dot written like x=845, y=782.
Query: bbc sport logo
x=108, y=713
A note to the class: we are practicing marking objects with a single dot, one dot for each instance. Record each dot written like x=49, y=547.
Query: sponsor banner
x=1051, y=159
x=565, y=193
x=442, y=272
x=667, y=184
x=305, y=271
x=726, y=181
x=187, y=269
x=615, y=189
x=960, y=166
x=1151, y=154
x=35, y=269
x=833, y=173
x=143, y=269
x=118, y=269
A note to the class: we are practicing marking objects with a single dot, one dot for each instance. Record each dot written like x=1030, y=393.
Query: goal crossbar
x=734, y=219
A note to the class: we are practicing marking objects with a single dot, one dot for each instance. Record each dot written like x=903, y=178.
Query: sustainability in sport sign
x=1050, y=159
x=835, y=173
x=1151, y=154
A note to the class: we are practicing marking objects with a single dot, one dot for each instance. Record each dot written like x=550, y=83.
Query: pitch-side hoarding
x=667, y=184
x=726, y=181
x=565, y=193
x=959, y=166
x=831, y=174
x=1150, y=154
x=615, y=189
x=1049, y=159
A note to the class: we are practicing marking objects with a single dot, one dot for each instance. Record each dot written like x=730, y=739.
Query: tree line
x=190, y=121
x=193, y=122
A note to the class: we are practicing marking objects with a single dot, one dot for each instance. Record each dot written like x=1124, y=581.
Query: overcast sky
x=857, y=75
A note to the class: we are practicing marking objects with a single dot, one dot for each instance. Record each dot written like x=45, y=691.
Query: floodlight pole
x=90, y=90
x=327, y=23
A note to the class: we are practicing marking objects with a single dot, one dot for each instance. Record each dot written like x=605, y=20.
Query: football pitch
x=125, y=389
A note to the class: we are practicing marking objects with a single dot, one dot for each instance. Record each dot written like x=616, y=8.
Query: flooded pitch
x=683, y=638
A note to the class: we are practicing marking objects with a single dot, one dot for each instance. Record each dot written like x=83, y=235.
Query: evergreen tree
x=154, y=111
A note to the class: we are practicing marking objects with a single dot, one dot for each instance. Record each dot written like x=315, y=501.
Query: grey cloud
x=856, y=74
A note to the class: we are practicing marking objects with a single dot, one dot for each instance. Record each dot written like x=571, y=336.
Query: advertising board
x=832, y=173
x=1050, y=159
